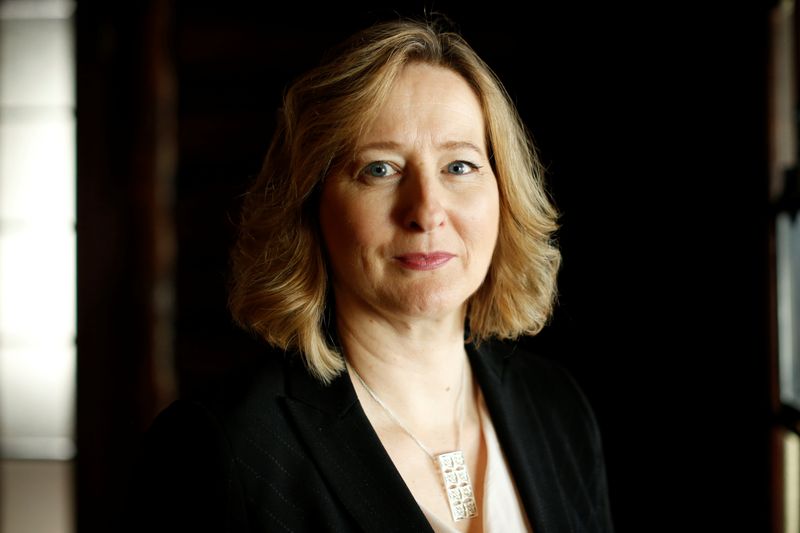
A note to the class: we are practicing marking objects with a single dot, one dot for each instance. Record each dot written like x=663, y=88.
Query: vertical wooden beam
x=782, y=156
x=126, y=156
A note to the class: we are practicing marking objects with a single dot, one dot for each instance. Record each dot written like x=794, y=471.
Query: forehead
x=428, y=102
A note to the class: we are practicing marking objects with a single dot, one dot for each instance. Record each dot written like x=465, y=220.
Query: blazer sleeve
x=596, y=481
x=184, y=479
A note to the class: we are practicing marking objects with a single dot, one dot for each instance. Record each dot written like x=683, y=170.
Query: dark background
x=651, y=120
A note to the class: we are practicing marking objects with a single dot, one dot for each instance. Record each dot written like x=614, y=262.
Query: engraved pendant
x=457, y=485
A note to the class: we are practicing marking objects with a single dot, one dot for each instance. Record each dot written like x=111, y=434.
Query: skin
x=410, y=228
x=412, y=189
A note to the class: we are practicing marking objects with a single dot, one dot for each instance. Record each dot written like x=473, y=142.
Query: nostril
x=425, y=225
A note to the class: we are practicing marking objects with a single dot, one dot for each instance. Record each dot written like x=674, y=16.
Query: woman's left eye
x=461, y=167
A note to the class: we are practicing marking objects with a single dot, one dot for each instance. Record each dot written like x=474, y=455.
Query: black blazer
x=274, y=450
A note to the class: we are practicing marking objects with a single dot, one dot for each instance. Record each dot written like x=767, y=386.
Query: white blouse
x=502, y=508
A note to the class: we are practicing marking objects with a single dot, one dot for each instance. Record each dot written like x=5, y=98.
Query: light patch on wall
x=791, y=482
x=37, y=230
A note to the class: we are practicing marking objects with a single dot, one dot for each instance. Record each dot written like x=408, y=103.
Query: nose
x=423, y=203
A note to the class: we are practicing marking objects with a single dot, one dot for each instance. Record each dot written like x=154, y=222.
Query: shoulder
x=245, y=405
x=233, y=458
x=536, y=373
x=538, y=385
x=545, y=376
x=242, y=393
x=188, y=471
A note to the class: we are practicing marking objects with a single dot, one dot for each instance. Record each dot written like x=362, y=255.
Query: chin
x=431, y=303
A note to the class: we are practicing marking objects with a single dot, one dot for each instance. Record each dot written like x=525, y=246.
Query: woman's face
x=411, y=225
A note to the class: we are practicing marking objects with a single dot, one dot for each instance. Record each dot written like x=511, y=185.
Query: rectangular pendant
x=457, y=485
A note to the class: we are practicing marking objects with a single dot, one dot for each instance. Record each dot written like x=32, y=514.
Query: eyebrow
x=391, y=145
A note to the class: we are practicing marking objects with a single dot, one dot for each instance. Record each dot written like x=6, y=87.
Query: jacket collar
x=524, y=435
x=351, y=457
x=349, y=454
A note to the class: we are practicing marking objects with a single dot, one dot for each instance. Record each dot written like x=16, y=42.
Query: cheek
x=486, y=219
x=348, y=225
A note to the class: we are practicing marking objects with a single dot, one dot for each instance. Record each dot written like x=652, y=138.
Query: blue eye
x=378, y=169
x=461, y=167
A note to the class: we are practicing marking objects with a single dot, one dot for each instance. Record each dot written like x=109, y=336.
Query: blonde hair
x=279, y=274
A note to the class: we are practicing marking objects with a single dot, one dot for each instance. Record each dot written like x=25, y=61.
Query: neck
x=415, y=367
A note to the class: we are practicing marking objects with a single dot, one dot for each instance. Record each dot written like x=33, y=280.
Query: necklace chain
x=451, y=465
x=403, y=426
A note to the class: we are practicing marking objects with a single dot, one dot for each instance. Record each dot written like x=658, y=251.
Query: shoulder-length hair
x=279, y=274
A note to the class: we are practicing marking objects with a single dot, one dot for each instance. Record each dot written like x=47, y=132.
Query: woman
x=399, y=224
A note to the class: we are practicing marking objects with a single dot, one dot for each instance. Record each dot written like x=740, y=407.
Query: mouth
x=421, y=261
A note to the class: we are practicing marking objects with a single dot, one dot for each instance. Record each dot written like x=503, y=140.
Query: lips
x=422, y=261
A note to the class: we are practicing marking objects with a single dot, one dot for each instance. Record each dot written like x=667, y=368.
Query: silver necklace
x=451, y=465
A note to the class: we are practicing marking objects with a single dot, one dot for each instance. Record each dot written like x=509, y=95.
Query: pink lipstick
x=430, y=261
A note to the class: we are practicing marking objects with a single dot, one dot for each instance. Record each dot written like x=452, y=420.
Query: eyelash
x=365, y=171
x=471, y=166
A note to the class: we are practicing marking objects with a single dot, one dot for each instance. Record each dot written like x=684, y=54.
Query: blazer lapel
x=349, y=453
x=522, y=437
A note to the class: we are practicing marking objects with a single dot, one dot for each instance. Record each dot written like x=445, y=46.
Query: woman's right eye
x=378, y=169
